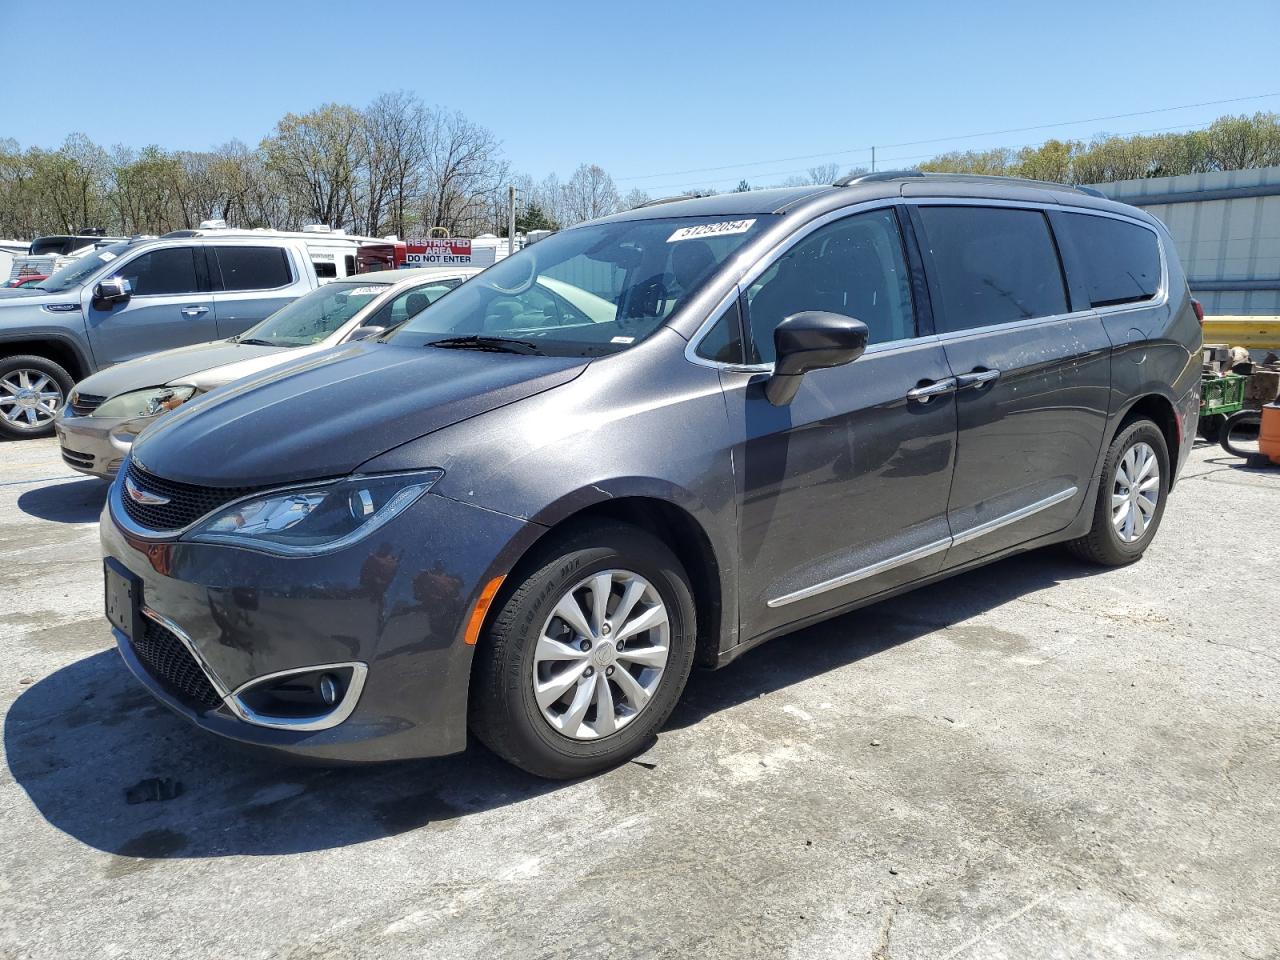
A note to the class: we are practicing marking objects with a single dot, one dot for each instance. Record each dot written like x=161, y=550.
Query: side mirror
x=811, y=340
x=363, y=333
x=112, y=291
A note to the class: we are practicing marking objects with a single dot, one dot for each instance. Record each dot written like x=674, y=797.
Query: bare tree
x=634, y=198
x=824, y=173
x=590, y=193
x=318, y=155
x=395, y=147
x=462, y=167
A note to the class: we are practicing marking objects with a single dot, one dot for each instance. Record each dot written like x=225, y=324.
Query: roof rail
x=876, y=177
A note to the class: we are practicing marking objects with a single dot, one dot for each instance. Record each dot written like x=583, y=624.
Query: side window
x=409, y=303
x=161, y=272
x=253, y=268
x=853, y=266
x=723, y=342
x=1121, y=260
x=325, y=271
x=992, y=265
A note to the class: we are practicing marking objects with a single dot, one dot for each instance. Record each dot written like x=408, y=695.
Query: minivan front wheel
x=587, y=656
x=1131, y=497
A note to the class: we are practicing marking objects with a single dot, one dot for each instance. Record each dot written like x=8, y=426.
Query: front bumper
x=396, y=603
x=97, y=445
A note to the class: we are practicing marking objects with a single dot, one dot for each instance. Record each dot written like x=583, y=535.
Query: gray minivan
x=510, y=517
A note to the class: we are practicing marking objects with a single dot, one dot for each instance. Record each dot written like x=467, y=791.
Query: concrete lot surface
x=1035, y=760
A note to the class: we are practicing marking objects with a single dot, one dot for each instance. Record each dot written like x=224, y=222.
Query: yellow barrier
x=1256, y=333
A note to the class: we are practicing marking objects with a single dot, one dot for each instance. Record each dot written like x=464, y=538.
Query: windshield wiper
x=496, y=344
x=254, y=342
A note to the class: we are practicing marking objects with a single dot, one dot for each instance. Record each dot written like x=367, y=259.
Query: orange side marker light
x=481, y=608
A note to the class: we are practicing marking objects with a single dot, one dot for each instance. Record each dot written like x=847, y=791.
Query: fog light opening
x=308, y=698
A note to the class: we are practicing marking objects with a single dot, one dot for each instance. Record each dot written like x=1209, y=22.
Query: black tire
x=10, y=365
x=1209, y=427
x=1103, y=544
x=1238, y=419
x=504, y=713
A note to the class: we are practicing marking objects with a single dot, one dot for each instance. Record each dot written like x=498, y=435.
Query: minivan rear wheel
x=32, y=391
x=1133, y=487
x=586, y=655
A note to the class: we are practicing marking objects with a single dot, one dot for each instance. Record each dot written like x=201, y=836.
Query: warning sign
x=448, y=252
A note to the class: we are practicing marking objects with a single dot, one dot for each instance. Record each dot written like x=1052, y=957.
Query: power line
x=897, y=159
x=966, y=136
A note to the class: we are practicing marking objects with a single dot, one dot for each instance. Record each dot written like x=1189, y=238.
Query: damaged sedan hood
x=325, y=414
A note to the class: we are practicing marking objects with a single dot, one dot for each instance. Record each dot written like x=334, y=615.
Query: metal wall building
x=1226, y=226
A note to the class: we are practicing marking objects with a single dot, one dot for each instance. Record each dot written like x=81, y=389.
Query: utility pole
x=511, y=220
x=873, y=159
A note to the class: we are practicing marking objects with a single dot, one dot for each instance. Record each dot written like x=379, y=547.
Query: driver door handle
x=976, y=378
x=194, y=311
x=927, y=391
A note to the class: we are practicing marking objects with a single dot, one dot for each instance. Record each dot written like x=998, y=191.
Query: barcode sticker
x=722, y=229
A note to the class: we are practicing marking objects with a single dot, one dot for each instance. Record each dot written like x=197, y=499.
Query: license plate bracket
x=122, y=598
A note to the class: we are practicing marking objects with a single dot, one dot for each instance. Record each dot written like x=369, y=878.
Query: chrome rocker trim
x=928, y=550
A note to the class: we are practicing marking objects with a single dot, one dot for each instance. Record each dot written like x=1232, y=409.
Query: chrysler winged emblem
x=138, y=495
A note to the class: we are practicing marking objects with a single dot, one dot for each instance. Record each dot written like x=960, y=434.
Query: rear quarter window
x=1121, y=259
x=253, y=268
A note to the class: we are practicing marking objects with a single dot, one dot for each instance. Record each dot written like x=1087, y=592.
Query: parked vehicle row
x=136, y=297
x=109, y=409
x=647, y=441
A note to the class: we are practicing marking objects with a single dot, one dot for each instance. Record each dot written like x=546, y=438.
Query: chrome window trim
x=1162, y=295
x=770, y=255
x=1160, y=299
x=928, y=550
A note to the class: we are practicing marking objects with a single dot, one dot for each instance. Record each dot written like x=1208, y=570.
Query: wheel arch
x=669, y=521
x=61, y=350
x=1159, y=409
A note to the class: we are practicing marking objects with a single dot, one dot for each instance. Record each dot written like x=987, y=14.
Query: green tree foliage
x=1230, y=143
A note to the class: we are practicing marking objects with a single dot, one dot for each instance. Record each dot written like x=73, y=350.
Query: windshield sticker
x=722, y=229
x=107, y=255
x=363, y=291
x=623, y=340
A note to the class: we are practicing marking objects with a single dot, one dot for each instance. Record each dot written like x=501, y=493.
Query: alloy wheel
x=1135, y=493
x=29, y=398
x=601, y=655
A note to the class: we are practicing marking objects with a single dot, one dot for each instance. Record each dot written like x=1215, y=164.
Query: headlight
x=305, y=521
x=144, y=403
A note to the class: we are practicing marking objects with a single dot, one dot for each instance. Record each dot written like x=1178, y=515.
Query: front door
x=843, y=492
x=1032, y=376
x=170, y=306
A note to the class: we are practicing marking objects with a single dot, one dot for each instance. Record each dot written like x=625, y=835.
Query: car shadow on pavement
x=87, y=744
x=78, y=501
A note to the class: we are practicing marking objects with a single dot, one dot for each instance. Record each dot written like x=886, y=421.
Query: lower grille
x=78, y=459
x=186, y=502
x=83, y=404
x=167, y=660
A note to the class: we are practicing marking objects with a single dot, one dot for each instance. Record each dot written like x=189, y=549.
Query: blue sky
x=646, y=88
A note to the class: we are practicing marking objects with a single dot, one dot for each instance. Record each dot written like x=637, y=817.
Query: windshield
x=316, y=316
x=80, y=269
x=589, y=291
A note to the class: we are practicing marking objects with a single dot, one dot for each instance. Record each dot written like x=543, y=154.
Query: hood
x=325, y=414
x=193, y=364
x=27, y=296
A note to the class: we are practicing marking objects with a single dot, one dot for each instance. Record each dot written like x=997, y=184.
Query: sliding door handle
x=978, y=378
x=927, y=390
